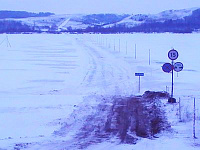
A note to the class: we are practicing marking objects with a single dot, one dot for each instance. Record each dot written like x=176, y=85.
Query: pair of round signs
x=167, y=67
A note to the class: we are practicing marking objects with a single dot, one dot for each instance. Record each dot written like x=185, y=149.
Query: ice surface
x=45, y=77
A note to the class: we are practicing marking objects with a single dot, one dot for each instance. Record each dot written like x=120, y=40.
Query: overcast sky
x=97, y=6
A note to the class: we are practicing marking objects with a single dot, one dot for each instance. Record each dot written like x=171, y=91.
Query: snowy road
x=60, y=27
x=107, y=74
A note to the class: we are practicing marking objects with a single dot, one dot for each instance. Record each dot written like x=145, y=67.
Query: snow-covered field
x=44, y=78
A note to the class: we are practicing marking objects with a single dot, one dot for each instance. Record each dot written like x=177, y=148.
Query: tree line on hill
x=8, y=26
x=186, y=25
x=22, y=14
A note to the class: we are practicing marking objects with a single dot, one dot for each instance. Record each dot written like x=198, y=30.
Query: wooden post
x=119, y=45
x=179, y=109
x=126, y=48
x=114, y=44
x=135, y=51
x=149, y=56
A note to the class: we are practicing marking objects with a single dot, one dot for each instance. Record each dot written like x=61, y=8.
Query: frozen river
x=44, y=77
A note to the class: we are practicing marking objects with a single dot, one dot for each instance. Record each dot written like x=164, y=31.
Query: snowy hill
x=70, y=22
x=138, y=19
x=115, y=22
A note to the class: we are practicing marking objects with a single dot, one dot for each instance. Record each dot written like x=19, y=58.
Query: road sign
x=167, y=67
x=139, y=74
x=178, y=66
x=173, y=54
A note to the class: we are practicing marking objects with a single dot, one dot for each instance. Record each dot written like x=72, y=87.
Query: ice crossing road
x=107, y=73
x=62, y=64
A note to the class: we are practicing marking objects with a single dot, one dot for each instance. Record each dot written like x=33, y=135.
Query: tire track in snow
x=107, y=73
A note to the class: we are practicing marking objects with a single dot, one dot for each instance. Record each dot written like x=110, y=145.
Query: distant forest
x=13, y=26
x=22, y=14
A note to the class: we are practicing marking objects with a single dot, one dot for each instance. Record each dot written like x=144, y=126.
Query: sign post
x=139, y=75
x=173, y=55
x=171, y=67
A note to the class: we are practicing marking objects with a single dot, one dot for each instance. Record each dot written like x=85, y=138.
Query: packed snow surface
x=44, y=78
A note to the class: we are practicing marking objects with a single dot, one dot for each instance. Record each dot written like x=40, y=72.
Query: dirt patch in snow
x=123, y=118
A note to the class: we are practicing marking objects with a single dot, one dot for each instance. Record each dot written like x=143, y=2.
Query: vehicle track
x=107, y=73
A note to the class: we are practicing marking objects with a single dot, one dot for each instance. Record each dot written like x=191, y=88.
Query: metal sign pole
x=167, y=67
x=172, y=80
x=139, y=84
x=139, y=74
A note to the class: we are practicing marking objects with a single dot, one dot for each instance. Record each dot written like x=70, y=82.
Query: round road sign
x=167, y=67
x=178, y=66
x=173, y=54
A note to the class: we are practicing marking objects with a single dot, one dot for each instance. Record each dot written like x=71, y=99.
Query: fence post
x=180, y=109
x=149, y=56
x=119, y=45
x=135, y=51
x=126, y=48
x=194, y=120
x=114, y=44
